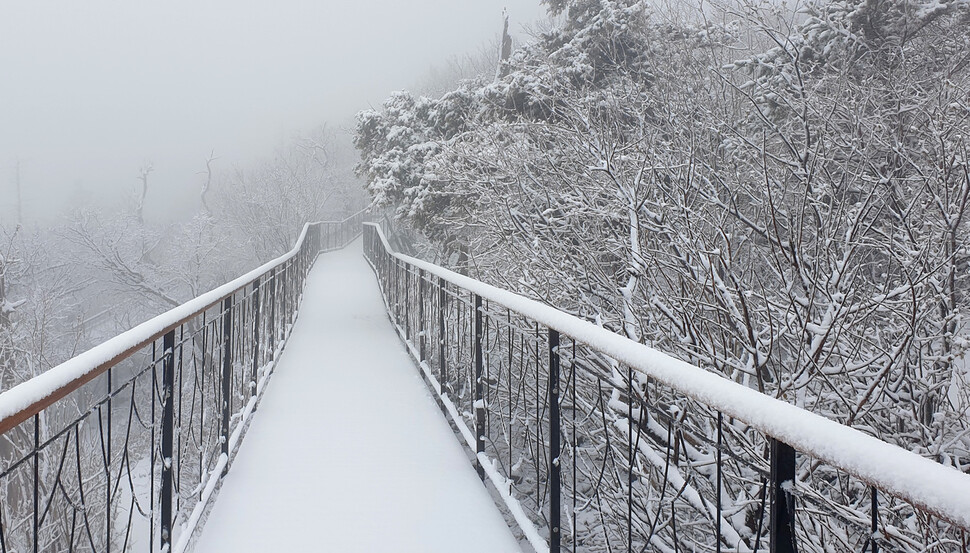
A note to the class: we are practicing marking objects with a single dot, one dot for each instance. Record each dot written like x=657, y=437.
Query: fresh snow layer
x=45, y=384
x=932, y=486
x=348, y=451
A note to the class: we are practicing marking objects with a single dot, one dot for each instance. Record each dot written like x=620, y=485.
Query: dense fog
x=684, y=276
x=91, y=91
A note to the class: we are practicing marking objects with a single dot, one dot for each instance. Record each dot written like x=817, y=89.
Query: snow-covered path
x=348, y=450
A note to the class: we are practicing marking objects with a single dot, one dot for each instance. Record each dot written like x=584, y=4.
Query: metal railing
x=598, y=443
x=120, y=448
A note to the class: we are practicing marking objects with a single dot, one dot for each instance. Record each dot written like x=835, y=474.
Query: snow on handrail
x=28, y=398
x=932, y=487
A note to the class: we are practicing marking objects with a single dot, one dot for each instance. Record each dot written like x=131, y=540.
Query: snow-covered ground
x=348, y=450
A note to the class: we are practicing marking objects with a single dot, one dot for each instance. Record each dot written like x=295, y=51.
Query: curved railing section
x=598, y=443
x=121, y=447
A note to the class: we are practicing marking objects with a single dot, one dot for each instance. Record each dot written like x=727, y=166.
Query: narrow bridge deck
x=349, y=451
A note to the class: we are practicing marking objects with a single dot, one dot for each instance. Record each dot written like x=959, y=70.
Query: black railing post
x=283, y=301
x=255, y=375
x=168, y=433
x=421, y=314
x=555, y=471
x=107, y=468
x=397, y=288
x=442, y=364
x=407, y=301
x=290, y=291
x=782, y=486
x=226, y=371
x=479, y=390
x=36, y=484
x=282, y=275
x=719, y=476
x=287, y=294
x=874, y=515
x=272, y=311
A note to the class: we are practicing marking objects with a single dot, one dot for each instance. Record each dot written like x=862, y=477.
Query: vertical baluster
x=107, y=472
x=572, y=389
x=3, y=540
x=442, y=364
x=36, y=518
x=479, y=388
x=555, y=471
x=720, y=465
x=292, y=269
x=421, y=314
x=781, y=524
x=511, y=347
x=168, y=432
x=283, y=301
x=287, y=296
x=205, y=349
x=180, y=389
x=254, y=376
x=226, y=371
x=151, y=479
x=487, y=374
x=631, y=456
x=407, y=302
x=397, y=287
x=874, y=496
x=272, y=311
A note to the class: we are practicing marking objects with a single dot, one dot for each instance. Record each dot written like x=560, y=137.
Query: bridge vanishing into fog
x=349, y=451
x=345, y=397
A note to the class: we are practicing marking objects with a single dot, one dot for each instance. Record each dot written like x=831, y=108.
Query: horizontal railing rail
x=121, y=447
x=598, y=443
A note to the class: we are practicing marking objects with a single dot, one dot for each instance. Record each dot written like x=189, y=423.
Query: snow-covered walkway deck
x=348, y=450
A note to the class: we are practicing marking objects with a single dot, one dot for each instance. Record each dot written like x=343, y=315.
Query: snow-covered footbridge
x=348, y=451
x=348, y=398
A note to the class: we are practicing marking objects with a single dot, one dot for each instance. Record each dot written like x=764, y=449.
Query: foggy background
x=91, y=91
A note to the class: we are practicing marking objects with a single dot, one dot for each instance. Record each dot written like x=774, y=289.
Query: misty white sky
x=90, y=90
